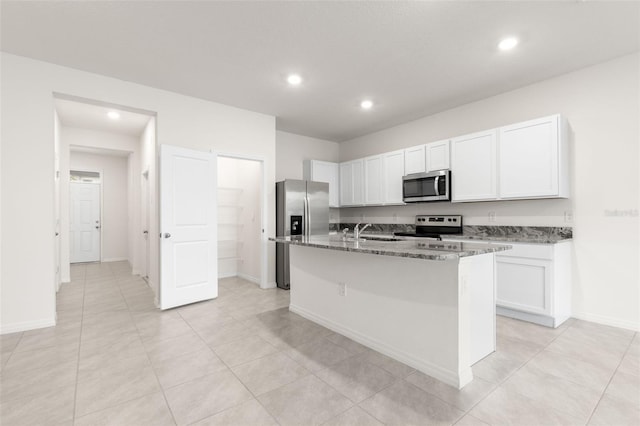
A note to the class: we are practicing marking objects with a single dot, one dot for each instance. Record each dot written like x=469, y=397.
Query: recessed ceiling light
x=366, y=104
x=508, y=43
x=113, y=115
x=294, y=79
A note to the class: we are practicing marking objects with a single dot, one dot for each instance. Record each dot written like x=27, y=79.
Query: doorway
x=241, y=219
x=84, y=217
x=117, y=143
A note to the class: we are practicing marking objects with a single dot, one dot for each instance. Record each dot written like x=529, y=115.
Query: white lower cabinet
x=524, y=284
x=533, y=282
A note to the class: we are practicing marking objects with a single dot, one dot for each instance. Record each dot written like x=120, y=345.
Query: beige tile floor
x=243, y=359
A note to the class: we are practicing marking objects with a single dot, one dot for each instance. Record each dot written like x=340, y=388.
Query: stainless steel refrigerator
x=302, y=208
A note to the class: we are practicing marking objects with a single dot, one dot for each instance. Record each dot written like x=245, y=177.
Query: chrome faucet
x=357, y=230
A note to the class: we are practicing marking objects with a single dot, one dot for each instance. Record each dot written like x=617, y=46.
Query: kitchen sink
x=368, y=238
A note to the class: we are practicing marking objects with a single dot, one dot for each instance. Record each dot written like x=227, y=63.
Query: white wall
x=28, y=297
x=144, y=195
x=292, y=150
x=57, y=201
x=80, y=137
x=114, y=204
x=601, y=104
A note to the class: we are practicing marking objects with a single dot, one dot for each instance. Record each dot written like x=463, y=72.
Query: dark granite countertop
x=429, y=250
x=515, y=234
x=507, y=234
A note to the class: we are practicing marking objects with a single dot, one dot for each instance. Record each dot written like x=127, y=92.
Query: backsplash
x=377, y=228
x=476, y=231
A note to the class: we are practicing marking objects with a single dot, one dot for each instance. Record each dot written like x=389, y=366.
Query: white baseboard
x=27, y=325
x=271, y=284
x=605, y=320
x=114, y=259
x=446, y=376
x=227, y=275
x=249, y=278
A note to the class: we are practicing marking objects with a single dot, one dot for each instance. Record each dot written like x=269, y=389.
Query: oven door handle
x=435, y=185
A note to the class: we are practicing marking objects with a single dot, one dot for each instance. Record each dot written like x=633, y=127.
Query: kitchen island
x=428, y=304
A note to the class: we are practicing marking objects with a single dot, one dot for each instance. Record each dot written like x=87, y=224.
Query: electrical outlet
x=568, y=216
x=342, y=289
x=492, y=216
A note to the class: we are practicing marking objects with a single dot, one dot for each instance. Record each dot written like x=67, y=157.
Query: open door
x=188, y=226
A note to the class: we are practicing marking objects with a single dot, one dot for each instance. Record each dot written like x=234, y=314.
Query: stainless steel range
x=435, y=226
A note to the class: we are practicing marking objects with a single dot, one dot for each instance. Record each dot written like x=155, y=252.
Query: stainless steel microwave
x=423, y=187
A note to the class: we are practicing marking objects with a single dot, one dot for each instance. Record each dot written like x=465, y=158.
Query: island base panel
x=414, y=310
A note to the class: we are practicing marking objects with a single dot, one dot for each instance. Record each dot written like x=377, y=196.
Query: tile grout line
x=231, y=371
x=604, y=391
x=116, y=282
x=146, y=353
x=503, y=381
x=75, y=391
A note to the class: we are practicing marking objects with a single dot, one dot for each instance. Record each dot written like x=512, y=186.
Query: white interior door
x=188, y=226
x=84, y=227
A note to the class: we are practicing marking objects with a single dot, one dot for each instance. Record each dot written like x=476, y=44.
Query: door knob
x=167, y=235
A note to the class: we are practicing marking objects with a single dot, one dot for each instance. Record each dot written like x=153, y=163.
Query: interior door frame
x=99, y=183
x=264, y=253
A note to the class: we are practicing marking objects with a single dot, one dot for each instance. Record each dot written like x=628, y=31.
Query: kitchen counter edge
x=407, y=249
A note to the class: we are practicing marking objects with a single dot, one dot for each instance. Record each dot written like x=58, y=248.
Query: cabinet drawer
x=531, y=251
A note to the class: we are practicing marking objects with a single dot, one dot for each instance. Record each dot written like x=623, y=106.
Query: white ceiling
x=88, y=116
x=412, y=58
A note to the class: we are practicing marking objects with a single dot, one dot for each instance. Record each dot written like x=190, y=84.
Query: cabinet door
x=346, y=184
x=415, y=160
x=528, y=165
x=373, y=180
x=358, y=182
x=437, y=156
x=393, y=165
x=473, y=167
x=324, y=171
x=524, y=284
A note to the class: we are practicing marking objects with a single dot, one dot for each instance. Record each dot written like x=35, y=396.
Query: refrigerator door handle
x=305, y=225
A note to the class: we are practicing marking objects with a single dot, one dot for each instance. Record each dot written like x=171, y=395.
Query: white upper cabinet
x=519, y=161
x=352, y=183
x=358, y=182
x=393, y=166
x=415, y=160
x=437, y=155
x=324, y=171
x=533, y=159
x=346, y=184
x=473, y=166
x=373, y=188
